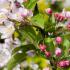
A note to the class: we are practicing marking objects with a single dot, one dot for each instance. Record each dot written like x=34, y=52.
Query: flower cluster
x=28, y=28
x=43, y=49
x=61, y=21
x=10, y=10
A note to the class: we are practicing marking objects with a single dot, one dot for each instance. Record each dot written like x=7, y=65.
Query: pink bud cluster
x=64, y=63
x=59, y=17
x=43, y=49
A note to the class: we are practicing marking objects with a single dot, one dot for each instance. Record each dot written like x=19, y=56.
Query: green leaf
x=36, y=11
x=58, y=68
x=38, y=20
x=24, y=48
x=30, y=4
x=39, y=37
x=28, y=33
x=50, y=25
x=19, y=57
x=50, y=45
x=66, y=35
x=15, y=59
x=66, y=57
x=31, y=34
x=66, y=43
x=48, y=40
x=53, y=19
x=50, y=28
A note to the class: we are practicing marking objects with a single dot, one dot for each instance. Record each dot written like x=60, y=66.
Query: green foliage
x=15, y=59
x=30, y=4
x=39, y=20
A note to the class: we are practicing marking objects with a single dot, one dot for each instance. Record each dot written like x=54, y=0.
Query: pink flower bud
x=59, y=16
x=49, y=11
x=58, y=52
x=17, y=4
x=58, y=40
x=42, y=47
x=64, y=63
x=47, y=54
x=24, y=12
x=67, y=63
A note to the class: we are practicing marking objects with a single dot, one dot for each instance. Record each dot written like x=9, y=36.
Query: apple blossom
x=4, y=4
x=5, y=54
x=19, y=14
x=3, y=17
x=23, y=12
x=30, y=13
x=9, y=40
x=9, y=9
x=16, y=42
x=34, y=66
x=7, y=31
x=66, y=14
x=16, y=16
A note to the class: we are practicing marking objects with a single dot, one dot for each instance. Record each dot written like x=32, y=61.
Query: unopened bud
x=58, y=40
x=42, y=47
x=58, y=52
x=47, y=54
x=49, y=11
